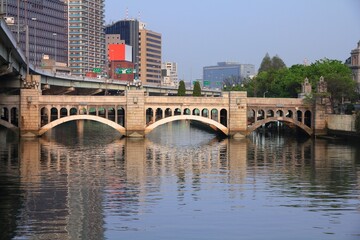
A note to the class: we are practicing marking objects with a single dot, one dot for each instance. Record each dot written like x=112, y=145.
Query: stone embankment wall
x=341, y=123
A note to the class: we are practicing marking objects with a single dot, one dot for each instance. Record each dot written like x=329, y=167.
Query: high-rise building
x=86, y=36
x=150, y=57
x=216, y=76
x=47, y=27
x=146, y=48
x=169, y=73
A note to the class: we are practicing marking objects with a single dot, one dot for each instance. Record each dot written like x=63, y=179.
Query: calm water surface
x=83, y=181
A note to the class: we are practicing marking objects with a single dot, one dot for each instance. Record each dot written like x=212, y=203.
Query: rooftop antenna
x=139, y=15
x=127, y=13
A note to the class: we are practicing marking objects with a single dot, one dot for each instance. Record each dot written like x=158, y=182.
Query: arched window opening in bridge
x=279, y=113
x=83, y=111
x=307, y=118
x=159, y=114
x=187, y=111
x=14, y=116
x=149, y=116
x=260, y=115
x=299, y=115
x=196, y=112
x=44, y=116
x=223, y=117
x=289, y=114
x=73, y=111
x=205, y=113
x=5, y=114
x=270, y=113
x=251, y=117
x=53, y=114
x=102, y=112
x=92, y=111
x=63, y=112
x=214, y=115
x=121, y=116
x=111, y=114
x=177, y=112
x=168, y=112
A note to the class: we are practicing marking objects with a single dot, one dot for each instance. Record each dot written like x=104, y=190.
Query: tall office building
x=86, y=36
x=214, y=76
x=47, y=24
x=146, y=48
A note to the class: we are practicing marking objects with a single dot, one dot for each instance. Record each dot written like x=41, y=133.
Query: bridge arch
x=208, y=121
x=8, y=125
x=257, y=124
x=59, y=121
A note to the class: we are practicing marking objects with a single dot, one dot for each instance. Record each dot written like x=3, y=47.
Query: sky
x=198, y=33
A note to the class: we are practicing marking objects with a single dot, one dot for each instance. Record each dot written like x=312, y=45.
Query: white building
x=169, y=73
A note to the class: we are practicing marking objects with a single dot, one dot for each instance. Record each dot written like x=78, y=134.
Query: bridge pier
x=237, y=114
x=29, y=122
x=135, y=116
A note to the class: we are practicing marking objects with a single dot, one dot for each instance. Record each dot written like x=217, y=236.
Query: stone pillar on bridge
x=320, y=110
x=135, y=113
x=237, y=114
x=29, y=122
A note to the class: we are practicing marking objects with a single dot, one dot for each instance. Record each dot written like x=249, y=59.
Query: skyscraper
x=146, y=48
x=46, y=21
x=86, y=36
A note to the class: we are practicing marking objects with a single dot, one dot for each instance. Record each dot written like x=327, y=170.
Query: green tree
x=277, y=63
x=181, y=89
x=265, y=64
x=197, y=89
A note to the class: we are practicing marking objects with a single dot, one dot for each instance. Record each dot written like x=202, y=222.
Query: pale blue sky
x=198, y=33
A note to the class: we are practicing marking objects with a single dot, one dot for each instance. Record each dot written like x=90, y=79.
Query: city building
x=86, y=36
x=355, y=64
x=150, y=57
x=215, y=76
x=146, y=48
x=120, y=62
x=47, y=27
x=169, y=74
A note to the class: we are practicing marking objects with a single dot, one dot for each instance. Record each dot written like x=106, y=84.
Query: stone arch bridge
x=136, y=114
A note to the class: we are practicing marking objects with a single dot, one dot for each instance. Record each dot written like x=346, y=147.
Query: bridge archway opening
x=214, y=114
x=205, y=113
x=149, y=115
x=279, y=113
x=111, y=114
x=168, y=112
x=177, y=112
x=63, y=112
x=299, y=115
x=158, y=114
x=223, y=117
x=307, y=118
x=53, y=114
x=14, y=116
x=196, y=112
x=250, y=116
x=73, y=111
x=5, y=114
x=270, y=113
x=121, y=116
x=83, y=110
x=260, y=114
x=187, y=111
x=102, y=112
x=44, y=116
x=289, y=114
x=92, y=111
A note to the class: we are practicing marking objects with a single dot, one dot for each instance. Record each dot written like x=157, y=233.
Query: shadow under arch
x=253, y=127
x=8, y=125
x=208, y=121
x=59, y=121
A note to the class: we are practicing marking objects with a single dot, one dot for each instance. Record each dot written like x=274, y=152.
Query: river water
x=83, y=181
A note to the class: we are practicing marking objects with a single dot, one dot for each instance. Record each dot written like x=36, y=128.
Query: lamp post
x=35, y=50
x=265, y=93
x=55, y=36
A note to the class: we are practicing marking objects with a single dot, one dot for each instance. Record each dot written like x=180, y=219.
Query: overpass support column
x=29, y=122
x=237, y=114
x=135, y=122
